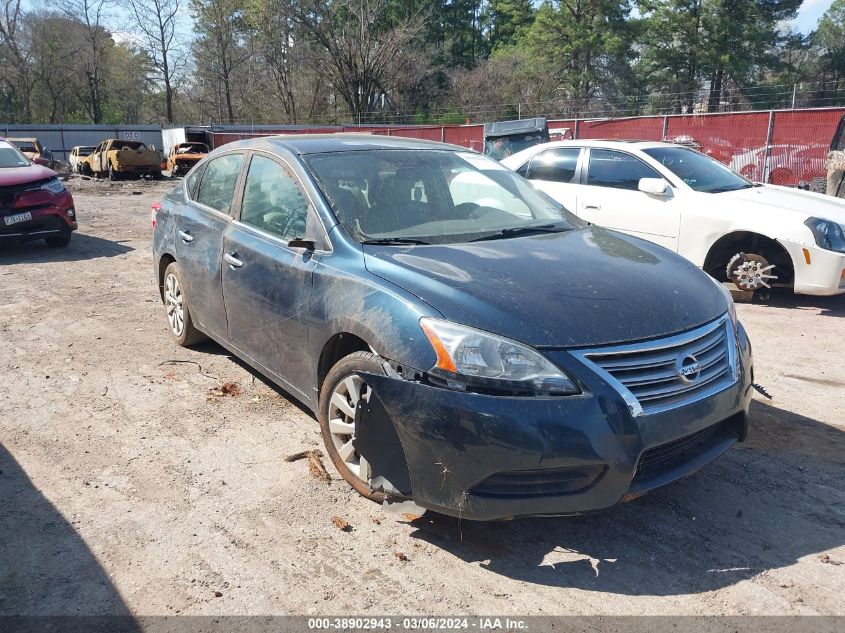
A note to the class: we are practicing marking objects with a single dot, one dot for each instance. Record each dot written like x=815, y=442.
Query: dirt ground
x=130, y=485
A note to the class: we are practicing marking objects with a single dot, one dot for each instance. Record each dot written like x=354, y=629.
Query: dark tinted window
x=557, y=165
x=617, y=169
x=218, y=182
x=273, y=201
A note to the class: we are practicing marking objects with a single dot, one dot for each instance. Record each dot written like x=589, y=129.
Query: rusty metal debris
x=341, y=524
x=315, y=463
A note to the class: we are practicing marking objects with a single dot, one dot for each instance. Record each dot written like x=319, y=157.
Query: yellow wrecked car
x=123, y=159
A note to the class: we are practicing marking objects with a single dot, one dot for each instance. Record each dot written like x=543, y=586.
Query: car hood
x=11, y=176
x=581, y=288
x=797, y=201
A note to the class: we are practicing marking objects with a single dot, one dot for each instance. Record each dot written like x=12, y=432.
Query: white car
x=77, y=155
x=755, y=235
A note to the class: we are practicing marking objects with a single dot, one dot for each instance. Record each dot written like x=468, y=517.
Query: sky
x=808, y=14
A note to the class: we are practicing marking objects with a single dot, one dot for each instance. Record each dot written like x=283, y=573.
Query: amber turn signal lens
x=444, y=360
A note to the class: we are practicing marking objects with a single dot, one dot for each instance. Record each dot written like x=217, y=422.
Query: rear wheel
x=343, y=389
x=178, y=313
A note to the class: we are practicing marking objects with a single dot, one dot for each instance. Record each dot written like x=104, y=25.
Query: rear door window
x=218, y=182
x=618, y=170
x=555, y=165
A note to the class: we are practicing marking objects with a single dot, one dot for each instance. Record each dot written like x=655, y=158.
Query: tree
x=220, y=49
x=829, y=39
x=741, y=37
x=670, y=59
x=156, y=25
x=15, y=58
x=509, y=20
x=362, y=49
x=585, y=45
x=92, y=14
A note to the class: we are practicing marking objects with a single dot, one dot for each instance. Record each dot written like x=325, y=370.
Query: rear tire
x=58, y=241
x=179, y=321
x=339, y=395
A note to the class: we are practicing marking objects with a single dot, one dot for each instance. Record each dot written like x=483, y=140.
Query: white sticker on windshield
x=481, y=162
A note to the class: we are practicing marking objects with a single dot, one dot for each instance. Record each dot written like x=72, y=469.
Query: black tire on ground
x=189, y=335
x=58, y=241
x=343, y=369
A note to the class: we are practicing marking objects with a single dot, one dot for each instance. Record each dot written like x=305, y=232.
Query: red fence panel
x=736, y=139
x=636, y=128
x=471, y=136
x=800, y=143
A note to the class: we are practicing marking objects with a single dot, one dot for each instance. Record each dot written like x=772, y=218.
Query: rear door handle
x=593, y=207
x=232, y=260
x=186, y=237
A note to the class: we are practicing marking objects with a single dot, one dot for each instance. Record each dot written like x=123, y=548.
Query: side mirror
x=40, y=160
x=654, y=186
x=298, y=242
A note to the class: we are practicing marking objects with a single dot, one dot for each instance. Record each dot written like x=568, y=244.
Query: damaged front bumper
x=488, y=457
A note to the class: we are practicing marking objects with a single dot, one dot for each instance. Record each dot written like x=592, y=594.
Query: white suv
x=753, y=234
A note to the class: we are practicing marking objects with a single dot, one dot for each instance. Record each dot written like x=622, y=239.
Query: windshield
x=10, y=156
x=26, y=146
x=698, y=171
x=431, y=196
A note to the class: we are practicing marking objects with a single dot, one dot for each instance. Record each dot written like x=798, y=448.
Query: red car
x=34, y=203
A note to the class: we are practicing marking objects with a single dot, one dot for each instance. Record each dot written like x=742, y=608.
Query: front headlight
x=479, y=361
x=829, y=235
x=53, y=186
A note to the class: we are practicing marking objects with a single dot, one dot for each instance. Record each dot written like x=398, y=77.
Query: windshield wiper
x=727, y=189
x=521, y=230
x=395, y=241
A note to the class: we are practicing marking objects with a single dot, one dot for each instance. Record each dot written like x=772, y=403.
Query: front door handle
x=186, y=237
x=592, y=207
x=232, y=260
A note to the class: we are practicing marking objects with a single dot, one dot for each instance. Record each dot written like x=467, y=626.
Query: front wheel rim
x=342, y=404
x=175, y=304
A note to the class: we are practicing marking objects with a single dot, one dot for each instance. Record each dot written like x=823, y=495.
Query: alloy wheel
x=174, y=302
x=344, y=400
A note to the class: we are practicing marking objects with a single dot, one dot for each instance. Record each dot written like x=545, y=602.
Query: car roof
x=615, y=142
x=22, y=138
x=323, y=143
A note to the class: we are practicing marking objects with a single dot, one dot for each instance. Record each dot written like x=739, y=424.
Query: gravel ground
x=129, y=485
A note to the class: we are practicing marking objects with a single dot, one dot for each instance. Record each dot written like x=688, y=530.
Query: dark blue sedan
x=464, y=341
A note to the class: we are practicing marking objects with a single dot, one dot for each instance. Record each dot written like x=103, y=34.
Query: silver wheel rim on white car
x=750, y=274
x=174, y=302
x=344, y=399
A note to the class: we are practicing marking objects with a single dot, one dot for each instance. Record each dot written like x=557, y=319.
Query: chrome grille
x=667, y=373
